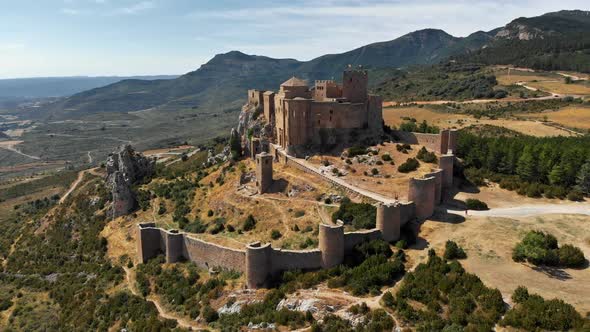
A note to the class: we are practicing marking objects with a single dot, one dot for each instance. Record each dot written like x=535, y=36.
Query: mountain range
x=44, y=87
x=221, y=83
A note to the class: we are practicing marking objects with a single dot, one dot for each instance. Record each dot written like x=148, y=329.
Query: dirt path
x=530, y=210
x=11, y=146
x=76, y=183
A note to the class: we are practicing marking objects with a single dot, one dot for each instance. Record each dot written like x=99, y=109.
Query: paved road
x=530, y=210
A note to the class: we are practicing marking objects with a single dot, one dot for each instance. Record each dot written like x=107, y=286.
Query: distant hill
x=553, y=41
x=221, y=83
x=558, y=40
x=43, y=87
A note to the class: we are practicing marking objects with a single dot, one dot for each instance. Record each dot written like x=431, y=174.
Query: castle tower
x=354, y=85
x=263, y=172
x=422, y=193
x=388, y=221
x=257, y=264
x=149, y=241
x=174, y=244
x=452, y=147
x=444, y=141
x=331, y=244
x=446, y=163
x=437, y=174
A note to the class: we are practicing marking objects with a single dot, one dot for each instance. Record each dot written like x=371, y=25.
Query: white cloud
x=135, y=8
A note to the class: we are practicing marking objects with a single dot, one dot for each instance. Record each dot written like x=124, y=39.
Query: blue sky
x=144, y=37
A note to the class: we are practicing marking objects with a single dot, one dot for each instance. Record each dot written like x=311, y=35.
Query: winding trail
x=75, y=184
x=529, y=210
x=10, y=146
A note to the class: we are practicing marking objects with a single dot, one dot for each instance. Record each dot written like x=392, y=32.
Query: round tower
x=174, y=242
x=422, y=193
x=438, y=178
x=445, y=162
x=388, y=221
x=258, y=258
x=331, y=238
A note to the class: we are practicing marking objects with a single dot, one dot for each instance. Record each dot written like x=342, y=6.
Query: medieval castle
x=324, y=115
x=298, y=117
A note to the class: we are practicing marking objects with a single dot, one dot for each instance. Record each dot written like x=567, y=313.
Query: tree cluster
x=542, y=249
x=534, y=166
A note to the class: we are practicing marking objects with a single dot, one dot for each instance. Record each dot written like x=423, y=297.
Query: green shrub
x=386, y=157
x=469, y=304
x=409, y=165
x=195, y=227
x=275, y=234
x=209, y=314
x=359, y=215
x=356, y=151
x=571, y=256
x=299, y=213
x=539, y=248
x=575, y=196
x=426, y=156
x=533, y=313
x=249, y=223
x=520, y=294
x=453, y=251
x=475, y=204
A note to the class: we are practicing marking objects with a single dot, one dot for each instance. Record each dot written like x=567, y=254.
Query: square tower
x=354, y=85
x=263, y=172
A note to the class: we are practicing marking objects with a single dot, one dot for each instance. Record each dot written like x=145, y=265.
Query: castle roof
x=294, y=81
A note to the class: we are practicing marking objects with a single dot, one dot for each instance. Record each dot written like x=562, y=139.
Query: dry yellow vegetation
x=394, y=117
x=389, y=182
x=562, y=88
x=571, y=116
x=488, y=242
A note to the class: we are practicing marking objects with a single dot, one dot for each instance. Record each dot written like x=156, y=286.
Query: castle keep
x=302, y=117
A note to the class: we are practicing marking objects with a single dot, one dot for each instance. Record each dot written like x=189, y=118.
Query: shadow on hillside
x=421, y=244
x=278, y=186
x=553, y=272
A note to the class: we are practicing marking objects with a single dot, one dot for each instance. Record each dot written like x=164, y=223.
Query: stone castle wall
x=443, y=142
x=262, y=262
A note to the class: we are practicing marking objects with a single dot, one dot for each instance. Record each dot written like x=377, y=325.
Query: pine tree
x=583, y=178
x=527, y=166
x=556, y=175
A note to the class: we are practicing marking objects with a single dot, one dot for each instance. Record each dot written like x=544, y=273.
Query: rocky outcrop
x=125, y=167
x=251, y=123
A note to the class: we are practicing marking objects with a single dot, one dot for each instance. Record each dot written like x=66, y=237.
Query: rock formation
x=125, y=167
